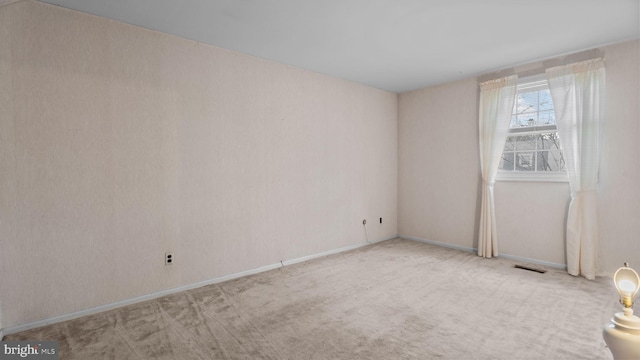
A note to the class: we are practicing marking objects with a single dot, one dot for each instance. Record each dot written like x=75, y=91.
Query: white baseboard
x=3, y=3
x=74, y=315
x=442, y=244
x=534, y=261
x=330, y=252
x=475, y=250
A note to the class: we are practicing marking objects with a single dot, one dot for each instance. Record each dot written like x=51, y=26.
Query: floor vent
x=530, y=268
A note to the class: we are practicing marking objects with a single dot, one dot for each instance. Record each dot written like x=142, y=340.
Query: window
x=532, y=151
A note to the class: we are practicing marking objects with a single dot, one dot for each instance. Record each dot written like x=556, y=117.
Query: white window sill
x=537, y=177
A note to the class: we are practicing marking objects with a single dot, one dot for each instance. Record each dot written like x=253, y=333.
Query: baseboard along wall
x=77, y=314
x=117, y=304
x=475, y=250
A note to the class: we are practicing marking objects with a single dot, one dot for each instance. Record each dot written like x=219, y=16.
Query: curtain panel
x=496, y=104
x=577, y=91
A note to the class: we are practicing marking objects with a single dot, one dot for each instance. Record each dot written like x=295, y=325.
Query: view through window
x=533, y=145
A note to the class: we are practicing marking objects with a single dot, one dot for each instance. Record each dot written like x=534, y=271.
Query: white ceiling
x=395, y=45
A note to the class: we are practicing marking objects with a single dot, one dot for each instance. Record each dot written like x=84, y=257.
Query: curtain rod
x=540, y=67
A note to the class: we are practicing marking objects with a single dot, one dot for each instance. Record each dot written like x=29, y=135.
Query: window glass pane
x=527, y=120
x=506, y=163
x=545, y=100
x=550, y=160
x=525, y=161
x=527, y=102
x=514, y=122
x=525, y=142
x=533, y=144
x=548, y=140
x=547, y=117
x=509, y=145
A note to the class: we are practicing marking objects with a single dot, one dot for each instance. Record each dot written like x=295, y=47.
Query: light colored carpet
x=397, y=299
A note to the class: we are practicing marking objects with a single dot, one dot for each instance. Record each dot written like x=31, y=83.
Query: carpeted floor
x=397, y=299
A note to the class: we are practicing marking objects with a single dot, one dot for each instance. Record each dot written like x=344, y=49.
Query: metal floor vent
x=530, y=268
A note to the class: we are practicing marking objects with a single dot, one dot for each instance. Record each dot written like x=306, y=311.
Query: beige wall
x=439, y=174
x=619, y=190
x=438, y=163
x=118, y=144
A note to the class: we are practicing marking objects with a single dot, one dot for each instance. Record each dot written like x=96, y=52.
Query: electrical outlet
x=168, y=258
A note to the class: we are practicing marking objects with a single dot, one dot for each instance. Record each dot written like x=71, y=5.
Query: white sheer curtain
x=577, y=91
x=496, y=104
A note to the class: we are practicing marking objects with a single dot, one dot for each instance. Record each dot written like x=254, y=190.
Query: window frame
x=529, y=84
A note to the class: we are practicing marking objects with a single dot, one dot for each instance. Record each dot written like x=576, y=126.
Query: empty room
x=282, y=179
